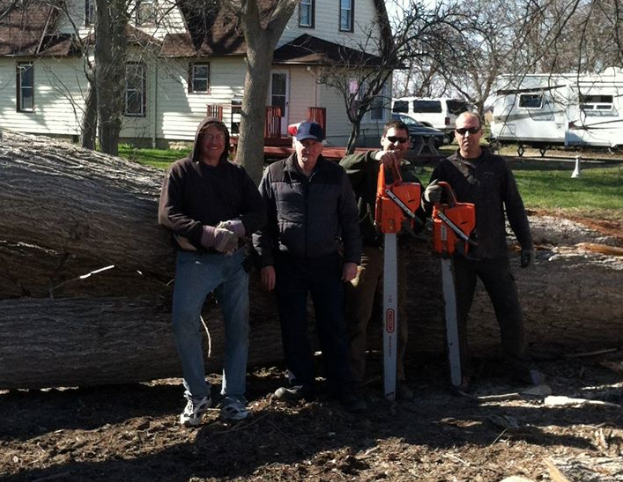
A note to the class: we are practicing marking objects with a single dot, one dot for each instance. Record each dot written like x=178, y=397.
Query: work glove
x=233, y=225
x=433, y=193
x=223, y=240
x=527, y=256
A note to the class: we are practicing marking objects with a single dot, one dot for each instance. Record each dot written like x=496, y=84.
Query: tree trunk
x=261, y=42
x=110, y=56
x=66, y=212
x=89, y=121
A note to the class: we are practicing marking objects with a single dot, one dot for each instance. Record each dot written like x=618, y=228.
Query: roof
x=307, y=49
x=24, y=29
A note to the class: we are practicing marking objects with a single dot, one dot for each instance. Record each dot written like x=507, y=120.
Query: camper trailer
x=545, y=110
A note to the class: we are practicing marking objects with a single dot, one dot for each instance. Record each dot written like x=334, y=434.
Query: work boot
x=403, y=392
x=351, y=402
x=295, y=393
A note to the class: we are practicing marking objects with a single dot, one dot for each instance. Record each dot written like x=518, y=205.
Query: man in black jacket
x=312, y=217
x=482, y=178
x=211, y=206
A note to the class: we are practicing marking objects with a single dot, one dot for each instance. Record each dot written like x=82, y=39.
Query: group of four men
x=313, y=231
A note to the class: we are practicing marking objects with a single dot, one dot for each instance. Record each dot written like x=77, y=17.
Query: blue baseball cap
x=309, y=130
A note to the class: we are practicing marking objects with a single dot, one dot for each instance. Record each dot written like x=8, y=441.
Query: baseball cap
x=309, y=130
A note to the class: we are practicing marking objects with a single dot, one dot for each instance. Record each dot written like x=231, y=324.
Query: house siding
x=58, y=101
x=327, y=16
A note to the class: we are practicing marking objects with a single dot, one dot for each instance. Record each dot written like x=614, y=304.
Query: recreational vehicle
x=545, y=110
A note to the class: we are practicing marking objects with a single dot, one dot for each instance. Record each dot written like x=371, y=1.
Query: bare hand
x=267, y=275
x=349, y=272
x=389, y=159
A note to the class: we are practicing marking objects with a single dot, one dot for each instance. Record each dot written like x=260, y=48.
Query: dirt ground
x=130, y=433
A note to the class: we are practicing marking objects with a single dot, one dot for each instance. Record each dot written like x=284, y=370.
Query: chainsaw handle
x=449, y=193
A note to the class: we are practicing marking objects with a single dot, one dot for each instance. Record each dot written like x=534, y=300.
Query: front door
x=279, y=88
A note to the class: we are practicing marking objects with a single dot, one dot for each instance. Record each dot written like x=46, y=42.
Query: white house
x=181, y=61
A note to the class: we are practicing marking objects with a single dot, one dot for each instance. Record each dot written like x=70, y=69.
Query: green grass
x=549, y=185
x=544, y=186
x=159, y=158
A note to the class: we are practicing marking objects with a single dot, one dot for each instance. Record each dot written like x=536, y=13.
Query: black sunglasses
x=471, y=130
x=393, y=139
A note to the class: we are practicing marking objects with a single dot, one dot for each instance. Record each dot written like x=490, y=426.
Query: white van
x=440, y=113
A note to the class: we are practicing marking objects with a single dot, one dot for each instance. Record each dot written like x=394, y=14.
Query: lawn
x=544, y=185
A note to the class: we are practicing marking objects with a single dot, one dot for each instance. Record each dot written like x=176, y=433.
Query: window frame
x=192, y=77
x=594, y=103
x=89, y=13
x=153, y=13
x=380, y=97
x=351, y=19
x=310, y=5
x=19, y=82
x=142, y=91
x=532, y=94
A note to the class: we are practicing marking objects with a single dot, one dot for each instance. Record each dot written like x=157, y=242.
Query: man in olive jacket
x=364, y=290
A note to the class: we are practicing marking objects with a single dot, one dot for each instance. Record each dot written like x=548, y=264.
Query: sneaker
x=234, y=410
x=403, y=392
x=191, y=416
x=293, y=394
x=352, y=403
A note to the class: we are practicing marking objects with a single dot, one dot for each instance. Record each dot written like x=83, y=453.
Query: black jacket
x=489, y=183
x=310, y=216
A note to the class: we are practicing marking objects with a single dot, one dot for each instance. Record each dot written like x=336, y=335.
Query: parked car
x=419, y=132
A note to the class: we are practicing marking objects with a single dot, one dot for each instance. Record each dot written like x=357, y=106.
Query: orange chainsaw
x=395, y=207
x=454, y=224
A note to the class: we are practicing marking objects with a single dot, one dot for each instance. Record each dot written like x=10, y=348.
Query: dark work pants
x=320, y=277
x=499, y=282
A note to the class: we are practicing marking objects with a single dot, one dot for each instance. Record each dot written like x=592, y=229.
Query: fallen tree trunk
x=65, y=213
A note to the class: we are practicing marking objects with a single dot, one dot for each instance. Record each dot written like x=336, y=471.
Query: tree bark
x=66, y=212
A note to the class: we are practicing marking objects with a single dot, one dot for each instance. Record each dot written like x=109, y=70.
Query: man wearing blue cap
x=310, y=245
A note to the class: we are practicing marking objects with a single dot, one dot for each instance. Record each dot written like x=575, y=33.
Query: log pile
x=85, y=279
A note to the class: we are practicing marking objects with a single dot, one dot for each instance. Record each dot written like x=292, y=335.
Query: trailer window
x=427, y=106
x=600, y=103
x=530, y=101
x=401, y=106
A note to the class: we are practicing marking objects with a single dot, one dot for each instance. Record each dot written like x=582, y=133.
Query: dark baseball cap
x=309, y=130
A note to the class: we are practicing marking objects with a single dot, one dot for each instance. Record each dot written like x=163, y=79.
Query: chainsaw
x=454, y=225
x=395, y=208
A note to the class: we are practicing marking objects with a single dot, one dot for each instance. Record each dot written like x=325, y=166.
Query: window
x=599, y=103
x=145, y=12
x=346, y=15
x=427, y=106
x=401, y=106
x=306, y=13
x=135, y=90
x=377, y=107
x=25, y=87
x=456, y=107
x=89, y=12
x=530, y=101
x=199, y=82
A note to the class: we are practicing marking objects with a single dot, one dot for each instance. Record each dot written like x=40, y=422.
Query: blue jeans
x=196, y=275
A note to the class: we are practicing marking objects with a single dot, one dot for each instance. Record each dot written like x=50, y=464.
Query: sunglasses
x=471, y=130
x=393, y=139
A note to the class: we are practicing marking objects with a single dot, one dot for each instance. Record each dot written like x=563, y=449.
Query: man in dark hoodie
x=211, y=206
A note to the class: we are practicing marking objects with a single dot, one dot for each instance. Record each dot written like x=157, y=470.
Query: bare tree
x=262, y=30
